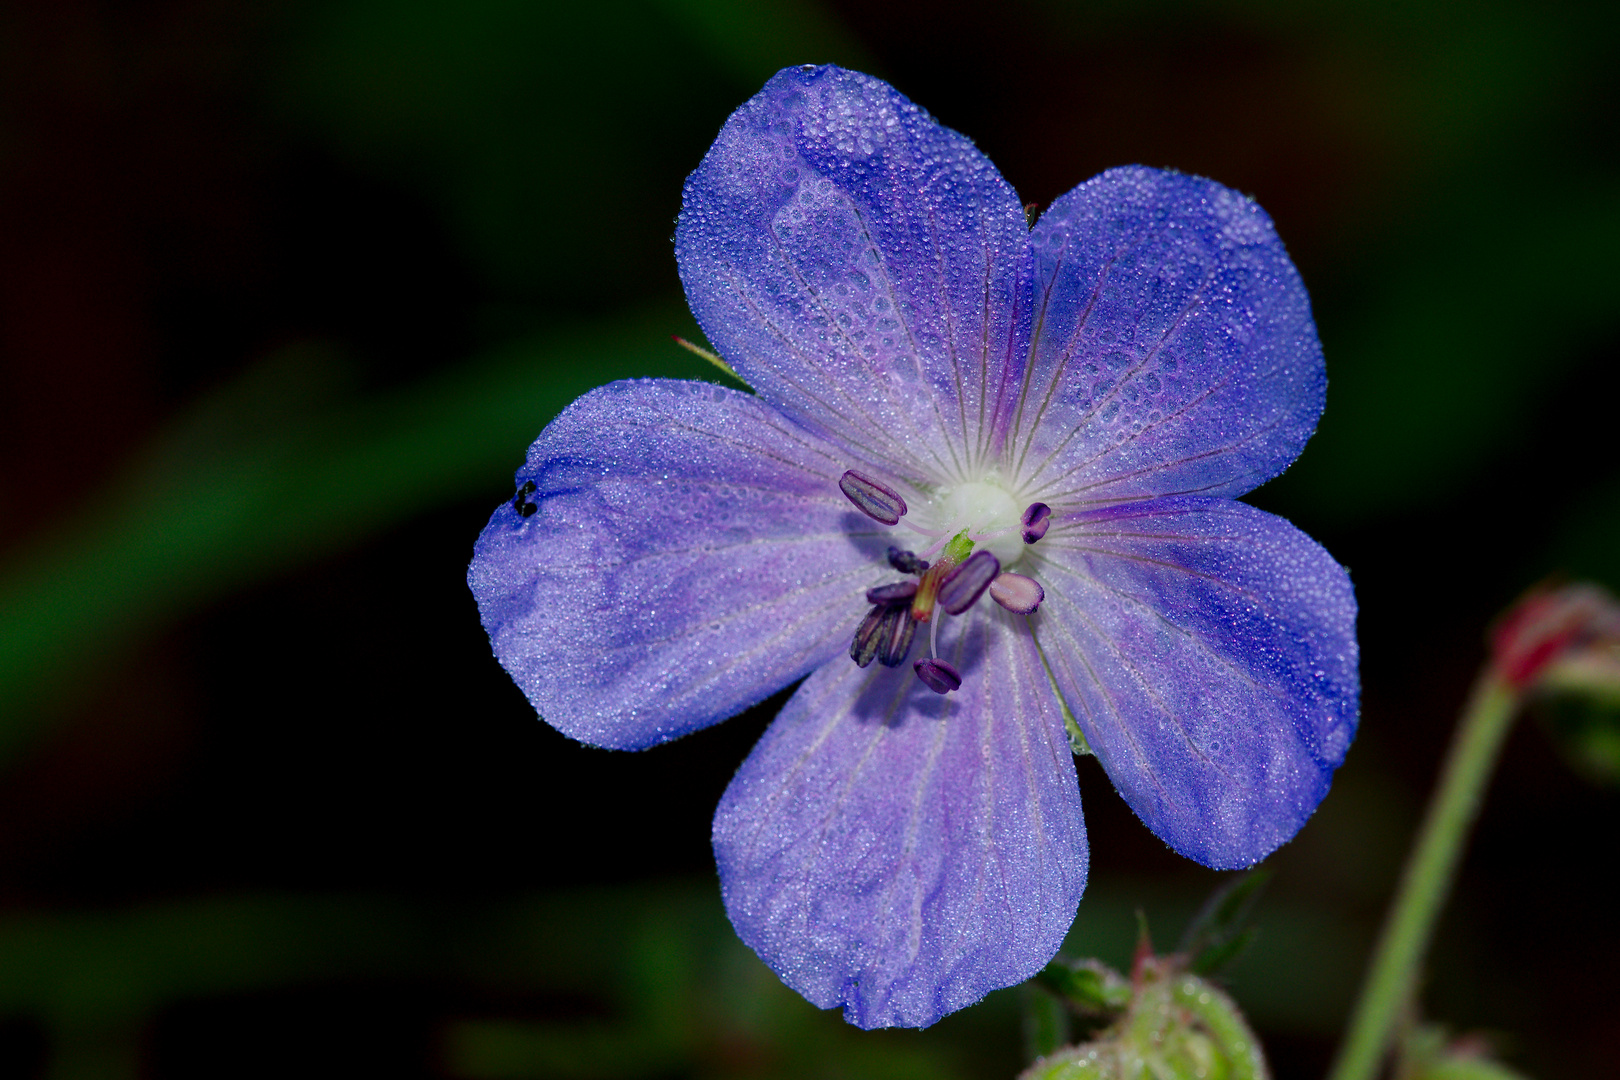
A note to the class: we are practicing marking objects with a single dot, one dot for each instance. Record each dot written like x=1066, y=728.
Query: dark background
x=286, y=289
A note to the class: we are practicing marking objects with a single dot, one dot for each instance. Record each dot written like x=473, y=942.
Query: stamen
x=1015, y=592
x=865, y=646
x=875, y=500
x=940, y=676
x=926, y=532
x=979, y=538
x=967, y=583
x=906, y=561
x=899, y=592
x=922, y=605
x=894, y=636
x=956, y=552
x=1036, y=519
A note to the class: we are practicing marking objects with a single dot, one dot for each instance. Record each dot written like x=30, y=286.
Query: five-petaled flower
x=1082, y=400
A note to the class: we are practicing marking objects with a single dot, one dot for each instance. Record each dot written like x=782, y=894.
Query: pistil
x=956, y=552
x=976, y=514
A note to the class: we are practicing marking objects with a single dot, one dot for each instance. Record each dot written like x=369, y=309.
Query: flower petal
x=861, y=266
x=1207, y=650
x=900, y=853
x=690, y=555
x=1175, y=351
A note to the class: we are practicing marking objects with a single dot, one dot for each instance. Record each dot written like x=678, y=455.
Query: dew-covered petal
x=690, y=554
x=1207, y=650
x=900, y=853
x=862, y=267
x=1175, y=352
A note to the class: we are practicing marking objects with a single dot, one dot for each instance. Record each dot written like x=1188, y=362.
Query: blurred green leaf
x=1046, y=1021
x=163, y=544
x=656, y=966
x=1472, y=333
x=754, y=39
x=1428, y=1052
x=554, y=137
x=1588, y=543
x=1220, y=930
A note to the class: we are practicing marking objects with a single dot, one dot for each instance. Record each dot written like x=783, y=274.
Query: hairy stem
x=1427, y=877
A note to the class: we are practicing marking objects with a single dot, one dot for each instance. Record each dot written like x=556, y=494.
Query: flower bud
x=1176, y=1026
x=1552, y=628
x=1561, y=648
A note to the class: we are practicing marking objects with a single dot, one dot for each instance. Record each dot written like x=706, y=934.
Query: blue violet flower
x=982, y=501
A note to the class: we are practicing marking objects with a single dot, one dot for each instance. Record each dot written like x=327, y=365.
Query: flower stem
x=1427, y=877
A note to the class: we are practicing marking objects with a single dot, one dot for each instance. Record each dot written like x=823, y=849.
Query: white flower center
x=990, y=514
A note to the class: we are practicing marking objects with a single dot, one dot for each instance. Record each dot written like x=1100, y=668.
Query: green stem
x=1427, y=877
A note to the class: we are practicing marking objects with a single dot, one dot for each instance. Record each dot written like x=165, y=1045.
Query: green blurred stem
x=1427, y=877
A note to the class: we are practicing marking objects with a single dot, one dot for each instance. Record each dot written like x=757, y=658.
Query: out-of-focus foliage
x=1222, y=929
x=554, y=136
x=230, y=496
x=651, y=981
x=1175, y=1026
x=1580, y=700
x=1427, y=1052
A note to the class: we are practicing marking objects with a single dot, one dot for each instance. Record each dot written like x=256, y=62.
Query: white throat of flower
x=976, y=529
x=988, y=512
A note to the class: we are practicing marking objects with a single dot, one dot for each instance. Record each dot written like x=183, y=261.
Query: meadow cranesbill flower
x=985, y=482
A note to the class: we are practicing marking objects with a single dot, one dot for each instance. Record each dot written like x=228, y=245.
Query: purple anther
x=894, y=636
x=1015, y=592
x=865, y=646
x=873, y=499
x=967, y=582
x=938, y=675
x=1036, y=518
x=897, y=593
x=906, y=561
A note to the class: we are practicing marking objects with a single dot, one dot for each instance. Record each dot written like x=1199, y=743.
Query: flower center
x=977, y=529
x=989, y=513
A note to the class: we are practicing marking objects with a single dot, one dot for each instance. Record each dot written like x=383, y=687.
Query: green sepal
x=1090, y=986
x=1078, y=746
x=711, y=357
x=1075, y=1063
x=1176, y=1027
x=1218, y=1015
